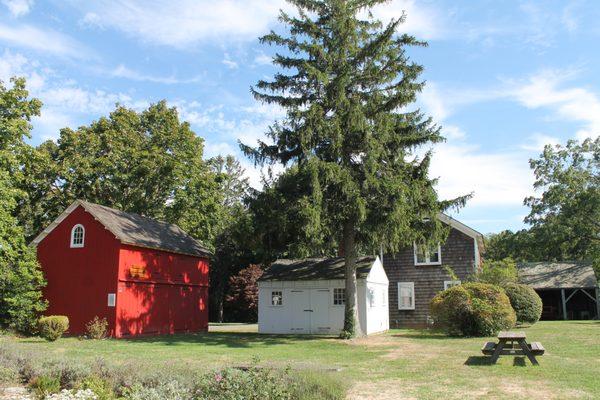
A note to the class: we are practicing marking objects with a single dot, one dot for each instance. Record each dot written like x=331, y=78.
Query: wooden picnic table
x=506, y=346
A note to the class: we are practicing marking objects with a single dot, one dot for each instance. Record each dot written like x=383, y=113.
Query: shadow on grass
x=479, y=361
x=519, y=362
x=416, y=334
x=225, y=339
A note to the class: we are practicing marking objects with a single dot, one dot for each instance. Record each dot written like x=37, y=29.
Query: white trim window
x=449, y=284
x=277, y=298
x=427, y=254
x=384, y=298
x=406, y=295
x=339, y=296
x=77, y=236
x=112, y=299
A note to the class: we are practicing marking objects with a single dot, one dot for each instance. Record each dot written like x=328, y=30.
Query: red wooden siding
x=157, y=292
x=161, y=292
x=79, y=279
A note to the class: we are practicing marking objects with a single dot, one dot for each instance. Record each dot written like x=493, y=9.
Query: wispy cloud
x=228, y=62
x=184, y=23
x=42, y=40
x=548, y=89
x=121, y=71
x=18, y=7
x=65, y=102
x=422, y=20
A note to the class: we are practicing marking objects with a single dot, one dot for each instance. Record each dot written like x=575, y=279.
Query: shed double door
x=310, y=311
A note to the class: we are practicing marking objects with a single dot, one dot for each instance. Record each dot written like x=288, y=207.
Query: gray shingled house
x=416, y=273
x=569, y=290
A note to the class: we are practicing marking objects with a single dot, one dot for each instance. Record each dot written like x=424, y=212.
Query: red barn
x=144, y=276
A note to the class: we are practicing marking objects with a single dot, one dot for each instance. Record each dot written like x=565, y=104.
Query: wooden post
x=564, y=303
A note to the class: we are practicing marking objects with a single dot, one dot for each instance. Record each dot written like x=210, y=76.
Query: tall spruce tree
x=349, y=133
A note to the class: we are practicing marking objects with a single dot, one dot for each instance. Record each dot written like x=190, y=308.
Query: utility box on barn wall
x=144, y=276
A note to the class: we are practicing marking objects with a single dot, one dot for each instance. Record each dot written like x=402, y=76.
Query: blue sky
x=504, y=78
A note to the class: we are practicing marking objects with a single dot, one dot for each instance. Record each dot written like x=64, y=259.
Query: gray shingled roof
x=309, y=269
x=142, y=231
x=557, y=275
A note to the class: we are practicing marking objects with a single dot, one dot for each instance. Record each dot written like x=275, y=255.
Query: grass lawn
x=401, y=364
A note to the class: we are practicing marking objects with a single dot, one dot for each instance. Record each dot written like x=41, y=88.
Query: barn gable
x=135, y=229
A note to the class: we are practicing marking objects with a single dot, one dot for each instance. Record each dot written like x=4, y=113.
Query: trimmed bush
x=472, y=309
x=51, y=328
x=97, y=328
x=525, y=301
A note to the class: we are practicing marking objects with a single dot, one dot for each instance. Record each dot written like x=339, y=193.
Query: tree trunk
x=220, y=308
x=351, y=325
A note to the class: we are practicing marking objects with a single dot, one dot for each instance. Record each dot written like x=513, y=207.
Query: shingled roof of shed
x=136, y=230
x=557, y=275
x=309, y=269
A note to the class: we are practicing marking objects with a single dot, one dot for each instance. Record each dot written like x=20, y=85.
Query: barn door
x=301, y=311
x=319, y=319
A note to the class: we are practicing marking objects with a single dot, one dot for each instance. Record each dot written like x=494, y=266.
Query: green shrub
x=169, y=390
x=252, y=384
x=51, y=328
x=525, y=301
x=44, y=385
x=498, y=272
x=101, y=388
x=473, y=309
x=97, y=328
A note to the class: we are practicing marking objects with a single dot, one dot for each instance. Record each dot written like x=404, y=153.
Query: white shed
x=307, y=296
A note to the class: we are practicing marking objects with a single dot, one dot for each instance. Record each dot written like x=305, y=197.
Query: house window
x=277, y=298
x=77, y=236
x=339, y=296
x=384, y=297
x=428, y=254
x=449, y=284
x=406, y=295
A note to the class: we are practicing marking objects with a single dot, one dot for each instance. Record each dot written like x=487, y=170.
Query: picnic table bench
x=514, y=344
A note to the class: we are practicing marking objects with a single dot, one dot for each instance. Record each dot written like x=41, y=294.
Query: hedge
x=525, y=301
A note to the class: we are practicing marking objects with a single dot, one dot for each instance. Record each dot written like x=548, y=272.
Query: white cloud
x=48, y=41
x=121, y=71
x=494, y=178
x=263, y=59
x=538, y=141
x=184, y=23
x=229, y=62
x=546, y=90
x=422, y=20
x=18, y=7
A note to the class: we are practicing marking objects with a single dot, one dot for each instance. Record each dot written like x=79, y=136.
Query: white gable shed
x=308, y=297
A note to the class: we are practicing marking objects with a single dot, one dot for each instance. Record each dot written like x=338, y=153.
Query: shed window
x=77, y=236
x=427, y=254
x=277, y=298
x=406, y=295
x=112, y=299
x=339, y=296
x=384, y=297
x=449, y=284
x=372, y=297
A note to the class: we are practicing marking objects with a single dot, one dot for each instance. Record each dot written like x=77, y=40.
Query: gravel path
x=14, y=393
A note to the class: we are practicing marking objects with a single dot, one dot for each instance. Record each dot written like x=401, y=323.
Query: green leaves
x=346, y=90
x=20, y=277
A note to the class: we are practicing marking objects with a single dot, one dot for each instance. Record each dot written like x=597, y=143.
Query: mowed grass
x=401, y=364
